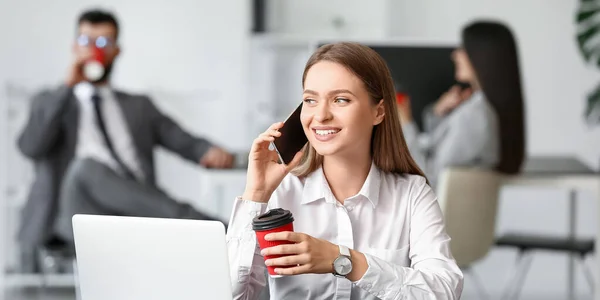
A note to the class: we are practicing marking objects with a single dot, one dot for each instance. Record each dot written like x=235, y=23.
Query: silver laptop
x=128, y=258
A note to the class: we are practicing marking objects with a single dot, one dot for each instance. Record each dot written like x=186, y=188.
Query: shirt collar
x=85, y=90
x=317, y=188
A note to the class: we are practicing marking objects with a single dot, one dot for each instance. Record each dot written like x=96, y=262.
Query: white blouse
x=395, y=220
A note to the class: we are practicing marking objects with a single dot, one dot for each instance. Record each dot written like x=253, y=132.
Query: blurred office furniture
x=222, y=187
x=469, y=201
x=562, y=172
x=526, y=244
x=259, y=16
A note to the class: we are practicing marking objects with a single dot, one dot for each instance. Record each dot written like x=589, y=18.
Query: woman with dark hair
x=478, y=123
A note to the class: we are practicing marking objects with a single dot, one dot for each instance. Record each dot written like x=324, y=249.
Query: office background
x=202, y=64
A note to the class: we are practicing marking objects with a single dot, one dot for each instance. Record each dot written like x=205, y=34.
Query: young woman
x=354, y=189
x=481, y=125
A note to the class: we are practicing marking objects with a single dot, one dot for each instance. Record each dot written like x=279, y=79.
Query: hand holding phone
x=265, y=172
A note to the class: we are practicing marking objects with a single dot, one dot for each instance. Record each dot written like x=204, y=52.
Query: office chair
x=526, y=243
x=468, y=198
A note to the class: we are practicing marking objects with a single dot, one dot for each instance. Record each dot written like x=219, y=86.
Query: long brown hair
x=492, y=50
x=388, y=147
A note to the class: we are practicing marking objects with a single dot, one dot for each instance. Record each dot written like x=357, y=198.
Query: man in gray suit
x=92, y=147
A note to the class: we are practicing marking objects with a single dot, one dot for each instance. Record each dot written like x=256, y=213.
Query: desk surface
x=556, y=165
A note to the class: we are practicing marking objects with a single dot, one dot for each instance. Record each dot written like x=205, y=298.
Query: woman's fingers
x=262, y=139
x=261, y=142
x=275, y=126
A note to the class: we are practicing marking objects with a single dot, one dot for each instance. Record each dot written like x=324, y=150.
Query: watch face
x=343, y=265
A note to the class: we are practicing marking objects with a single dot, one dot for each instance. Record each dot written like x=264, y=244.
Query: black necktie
x=102, y=125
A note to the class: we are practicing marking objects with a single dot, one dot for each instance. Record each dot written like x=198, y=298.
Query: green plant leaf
x=584, y=37
x=588, y=40
x=584, y=15
x=588, y=30
x=592, y=110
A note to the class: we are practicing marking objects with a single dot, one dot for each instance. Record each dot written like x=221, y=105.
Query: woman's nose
x=323, y=113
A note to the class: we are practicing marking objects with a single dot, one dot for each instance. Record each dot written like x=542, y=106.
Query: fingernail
x=268, y=262
x=262, y=252
x=268, y=237
x=277, y=271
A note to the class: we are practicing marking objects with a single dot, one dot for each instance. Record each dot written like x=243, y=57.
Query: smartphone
x=292, y=137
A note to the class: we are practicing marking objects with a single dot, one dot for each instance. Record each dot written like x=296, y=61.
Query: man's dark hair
x=97, y=16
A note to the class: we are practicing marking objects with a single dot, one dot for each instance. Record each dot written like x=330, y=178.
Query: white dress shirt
x=90, y=143
x=394, y=220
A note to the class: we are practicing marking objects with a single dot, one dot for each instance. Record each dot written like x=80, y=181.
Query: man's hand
x=75, y=73
x=217, y=158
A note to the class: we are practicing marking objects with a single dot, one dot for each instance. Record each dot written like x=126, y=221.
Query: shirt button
x=380, y=294
x=369, y=286
x=350, y=207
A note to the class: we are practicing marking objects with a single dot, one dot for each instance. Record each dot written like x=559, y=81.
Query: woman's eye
x=309, y=101
x=341, y=100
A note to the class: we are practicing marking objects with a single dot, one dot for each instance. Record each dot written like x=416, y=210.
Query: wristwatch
x=342, y=265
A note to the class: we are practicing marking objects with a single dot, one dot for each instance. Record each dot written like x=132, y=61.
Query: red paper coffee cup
x=275, y=220
x=94, y=69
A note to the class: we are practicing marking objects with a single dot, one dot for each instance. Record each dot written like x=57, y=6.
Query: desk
x=222, y=180
x=569, y=173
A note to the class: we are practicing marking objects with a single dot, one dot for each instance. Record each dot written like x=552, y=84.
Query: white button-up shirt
x=395, y=220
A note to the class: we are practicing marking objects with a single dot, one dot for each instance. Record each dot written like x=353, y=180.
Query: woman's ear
x=379, y=113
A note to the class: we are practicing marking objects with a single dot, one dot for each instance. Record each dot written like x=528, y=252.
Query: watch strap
x=344, y=251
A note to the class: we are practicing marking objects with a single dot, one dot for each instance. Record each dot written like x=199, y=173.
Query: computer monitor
x=423, y=70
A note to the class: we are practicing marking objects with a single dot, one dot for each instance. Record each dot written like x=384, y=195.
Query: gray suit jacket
x=50, y=138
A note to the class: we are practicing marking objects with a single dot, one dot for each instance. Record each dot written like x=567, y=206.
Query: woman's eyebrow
x=338, y=91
